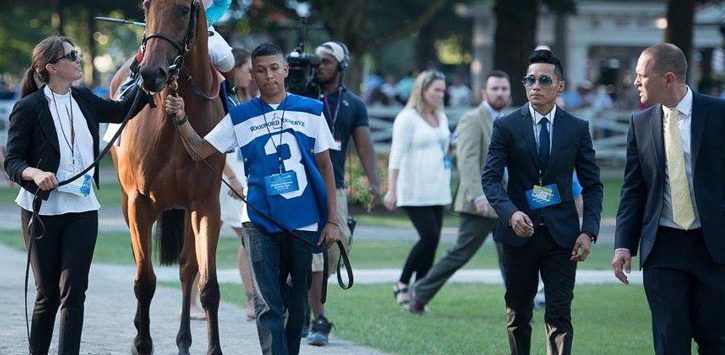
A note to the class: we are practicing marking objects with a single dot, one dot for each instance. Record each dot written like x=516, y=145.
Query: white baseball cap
x=333, y=49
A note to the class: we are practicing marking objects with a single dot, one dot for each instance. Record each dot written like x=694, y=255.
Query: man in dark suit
x=673, y=205
x=538, y=222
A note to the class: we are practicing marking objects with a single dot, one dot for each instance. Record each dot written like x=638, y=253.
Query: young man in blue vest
x=284, y=141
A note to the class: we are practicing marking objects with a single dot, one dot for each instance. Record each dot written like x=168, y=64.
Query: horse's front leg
x=205, y=219
x=188, y=269
x=140, y=219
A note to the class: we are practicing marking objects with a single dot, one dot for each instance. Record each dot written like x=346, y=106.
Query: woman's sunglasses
x=544, y=81
x=72, y=56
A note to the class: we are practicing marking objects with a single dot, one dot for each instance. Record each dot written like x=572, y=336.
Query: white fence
x=609, y=129
x=5, y=107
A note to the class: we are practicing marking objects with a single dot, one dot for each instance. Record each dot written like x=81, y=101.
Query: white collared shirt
x=64, y=202
x=684, y=123
x=491, y=111
x=536, y=118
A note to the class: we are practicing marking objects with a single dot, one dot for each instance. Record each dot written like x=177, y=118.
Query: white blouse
x=418, y=151
x=64, y=202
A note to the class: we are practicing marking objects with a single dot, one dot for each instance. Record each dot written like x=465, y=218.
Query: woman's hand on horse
x=45, y=180
x=175, y=106
x=329, y=235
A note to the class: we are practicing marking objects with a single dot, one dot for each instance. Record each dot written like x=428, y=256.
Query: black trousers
x=686, y=293
x=60, y=261
x=428, y=221
x=522, y=265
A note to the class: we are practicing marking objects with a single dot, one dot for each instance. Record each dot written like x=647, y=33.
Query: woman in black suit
x=53, y=135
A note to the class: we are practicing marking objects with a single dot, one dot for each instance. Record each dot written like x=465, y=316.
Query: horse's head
x=170, y=28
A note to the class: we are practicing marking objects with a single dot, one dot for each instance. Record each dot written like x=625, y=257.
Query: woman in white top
x=419, y=173
x=234, y=211
x=53, y=135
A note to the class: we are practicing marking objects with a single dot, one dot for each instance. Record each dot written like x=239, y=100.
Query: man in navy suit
x=538, y=222
x=673, y=205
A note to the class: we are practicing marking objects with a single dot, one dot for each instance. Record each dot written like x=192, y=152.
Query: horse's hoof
x=135, y=351
x=184, y=352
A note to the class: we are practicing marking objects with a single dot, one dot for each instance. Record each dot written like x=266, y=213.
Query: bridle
x=182, y=49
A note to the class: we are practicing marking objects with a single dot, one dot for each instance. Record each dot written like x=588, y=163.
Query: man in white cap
x=347, y=117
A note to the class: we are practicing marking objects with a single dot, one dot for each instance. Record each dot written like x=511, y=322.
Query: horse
x=158, y=178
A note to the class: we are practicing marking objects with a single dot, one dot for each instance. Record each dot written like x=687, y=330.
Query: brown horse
x=158, y=178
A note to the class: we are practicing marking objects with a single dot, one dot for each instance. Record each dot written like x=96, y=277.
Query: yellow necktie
x=682, y=211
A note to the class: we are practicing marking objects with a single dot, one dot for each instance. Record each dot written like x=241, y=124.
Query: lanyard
x=281, y=127
x=69, y=113
x=337, y=109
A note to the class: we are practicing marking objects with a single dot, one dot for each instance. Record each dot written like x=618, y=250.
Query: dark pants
x=522, y=265
x=428, y=221
x=686, y=293
x=280, y=265
x=472, y=232
x=61, y=260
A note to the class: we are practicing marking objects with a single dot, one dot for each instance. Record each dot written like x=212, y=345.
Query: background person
x=53, y=135
x=672, y=205
x=347, y=117
x=233, y=209
x=419, y=173
x=478, y=218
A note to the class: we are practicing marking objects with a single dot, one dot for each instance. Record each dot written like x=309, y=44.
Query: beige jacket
x=474, y=136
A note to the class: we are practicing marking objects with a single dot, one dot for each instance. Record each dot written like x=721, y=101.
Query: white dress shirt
x=64, y=202
x=536, y=118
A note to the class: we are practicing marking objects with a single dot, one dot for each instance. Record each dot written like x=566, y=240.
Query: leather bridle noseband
x=183, y=50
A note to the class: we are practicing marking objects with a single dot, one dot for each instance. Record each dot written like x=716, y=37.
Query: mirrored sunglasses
x=544, y=81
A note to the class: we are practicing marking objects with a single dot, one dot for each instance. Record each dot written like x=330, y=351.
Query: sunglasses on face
x=72, y=56
x=544, y=80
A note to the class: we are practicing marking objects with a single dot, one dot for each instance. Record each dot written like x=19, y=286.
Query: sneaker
x=305, y=328
x=319, y=332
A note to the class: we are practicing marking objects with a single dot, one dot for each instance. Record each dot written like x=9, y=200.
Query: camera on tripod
x=302, y=66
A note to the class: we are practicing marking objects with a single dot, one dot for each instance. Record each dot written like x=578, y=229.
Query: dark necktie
x=543, y=143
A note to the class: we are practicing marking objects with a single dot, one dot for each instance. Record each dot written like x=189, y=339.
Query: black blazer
x=642, y=196
x=33, y=140
x=513, y=146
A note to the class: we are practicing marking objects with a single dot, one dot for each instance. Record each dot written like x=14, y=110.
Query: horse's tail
x=170, y=235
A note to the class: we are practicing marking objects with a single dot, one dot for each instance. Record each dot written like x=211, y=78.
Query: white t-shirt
x=418, y=150
x=305, y=133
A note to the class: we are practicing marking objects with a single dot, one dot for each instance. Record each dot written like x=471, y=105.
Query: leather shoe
x=416, y=306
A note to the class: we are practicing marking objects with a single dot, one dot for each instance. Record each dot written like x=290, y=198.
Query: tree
x=680, y=21
x=516, y=24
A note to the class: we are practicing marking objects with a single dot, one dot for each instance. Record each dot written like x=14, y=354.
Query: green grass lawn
x=470, y=319
x=109, y=195
x=115, y=248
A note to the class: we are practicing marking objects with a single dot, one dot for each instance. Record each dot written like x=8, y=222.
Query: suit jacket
x=642, y=196
x=474, y=135
x=33, y=139
x=513, y=145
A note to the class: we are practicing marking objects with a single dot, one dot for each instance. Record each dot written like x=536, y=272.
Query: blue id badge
x=543, y=196
x=80, y=186
x=447, y=162
x=282, y=183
